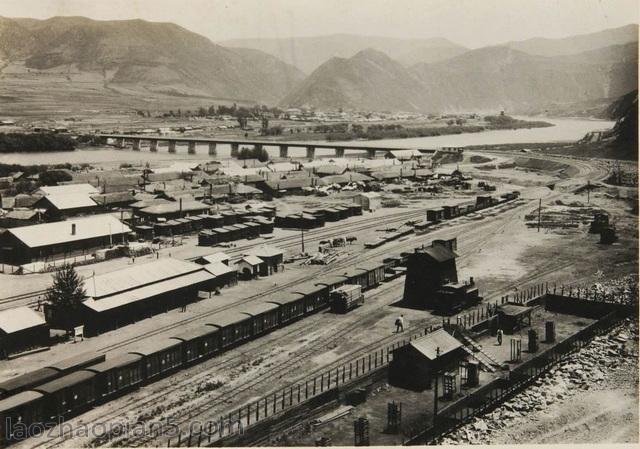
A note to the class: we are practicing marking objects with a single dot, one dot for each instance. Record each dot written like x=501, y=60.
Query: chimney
x=73, y=229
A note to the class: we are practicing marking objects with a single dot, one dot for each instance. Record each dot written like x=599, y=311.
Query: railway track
x=551, y=267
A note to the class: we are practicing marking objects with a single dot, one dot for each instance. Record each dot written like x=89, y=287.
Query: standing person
x=499, y=337
x=400, y=324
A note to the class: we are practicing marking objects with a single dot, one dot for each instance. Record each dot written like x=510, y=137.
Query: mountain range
x=143, y=59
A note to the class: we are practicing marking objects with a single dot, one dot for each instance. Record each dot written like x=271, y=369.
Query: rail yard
x=212, y=334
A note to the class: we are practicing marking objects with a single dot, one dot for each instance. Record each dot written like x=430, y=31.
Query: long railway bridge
x=135, y=140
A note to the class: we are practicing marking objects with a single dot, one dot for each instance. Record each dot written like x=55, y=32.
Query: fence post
x=299, y=387
x=275, y=400
x=344, y=368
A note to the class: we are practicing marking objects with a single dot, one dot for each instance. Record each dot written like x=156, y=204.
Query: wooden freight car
x=20, y=411
x=374, y=272
x=291, y=306
x=68, y=395
x=265, y=316
x=234, y=327
x=316, y=297
x=160, y=358
x=117, y=375
x=199, y=343
x=346, y=297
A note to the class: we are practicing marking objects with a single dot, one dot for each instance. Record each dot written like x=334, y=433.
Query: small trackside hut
x=513, y=317
x=414, y=366
x=346, y=297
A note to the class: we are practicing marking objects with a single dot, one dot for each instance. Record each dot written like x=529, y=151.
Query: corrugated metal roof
x=66, y=381
x=430, y=343
x=139, y=294
x=138, y=275
x=19, y=399
x=19, y=318
x=46, y=234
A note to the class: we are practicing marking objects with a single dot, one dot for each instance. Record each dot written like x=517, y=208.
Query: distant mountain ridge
x=308, y=53
x=158, y=57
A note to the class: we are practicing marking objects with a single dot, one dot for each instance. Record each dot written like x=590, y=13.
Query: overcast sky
x=473, y=23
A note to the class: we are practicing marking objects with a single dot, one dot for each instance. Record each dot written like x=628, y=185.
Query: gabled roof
x=138, y=275
x=45, y=234
x=174, y=206
x=69, y=200
x=252, y=260
x=439, y=253
x=67, y=189
x=215, y=257
x=21, y=214
x=266, y=251
x=219, y=269
x=430, y=343
x=19, y=318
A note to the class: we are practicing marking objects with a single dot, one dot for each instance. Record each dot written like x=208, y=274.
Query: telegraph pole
x=435, y=390
x=302, y=233
x=539, y=212
x=588, y=191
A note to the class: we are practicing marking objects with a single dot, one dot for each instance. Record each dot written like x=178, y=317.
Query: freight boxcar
x=332, y=281
x=199, y=343
x=374, y=272
x=346, y=297
x=291, y=306
x=77, y=362
x=21, y=409
x=234, y=327
x=160, y=358
x=316, y=297
x=68, y=395
x=435, y=215
x=450, y=212
x=265, y=316
x=117, y=375
x=26, y=381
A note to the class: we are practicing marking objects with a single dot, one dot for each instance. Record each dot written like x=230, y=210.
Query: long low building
x=70, y=237
x=140, y=291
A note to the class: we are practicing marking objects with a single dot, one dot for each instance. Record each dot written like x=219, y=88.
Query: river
x=564, y=129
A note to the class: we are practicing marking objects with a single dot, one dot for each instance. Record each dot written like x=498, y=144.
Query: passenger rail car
x=69, y=387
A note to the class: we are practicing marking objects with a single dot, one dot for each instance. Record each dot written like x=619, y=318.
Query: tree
x=65, y=296
x=53, y=177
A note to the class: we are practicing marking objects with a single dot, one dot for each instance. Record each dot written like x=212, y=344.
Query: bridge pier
x=234, y=149
x=172, y=146
x=371, y=153
x=191, y=149
x=339, y=152
x=153, y=146
x=284, y=151
x=311, y=152
x=213, y=151
x=135, y=144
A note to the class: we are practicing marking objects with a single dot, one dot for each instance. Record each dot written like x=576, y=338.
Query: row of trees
x=250, y=153
x=35, y=142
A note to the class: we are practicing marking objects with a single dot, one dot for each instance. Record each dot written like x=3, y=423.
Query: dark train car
x=392, y=262
x=67, y=396
x=160, y=358
x=24, y=408
x=26, y=381
x=199, y=343
x=243, y=230
x=214, y=221
x=162, y=229
x=234, y=327
x=316, y=297
x=355, y=209
x=374, y=272
x=186, y=225
x=222, y=235
x=435, y=215
x=355, y=276
x=450, y=212
x=206, y=238
x=332, y=281
x=253, y=229
x=483, y=201
x=117, y=375
x=197, y=222
x=331, y=214
x=233, y=233
x=265, y=316
x=229, y=218
x=291, y=306
x=343, y=212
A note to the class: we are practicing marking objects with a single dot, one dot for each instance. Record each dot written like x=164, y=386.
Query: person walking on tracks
x=499, y=335
x=400, y=324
